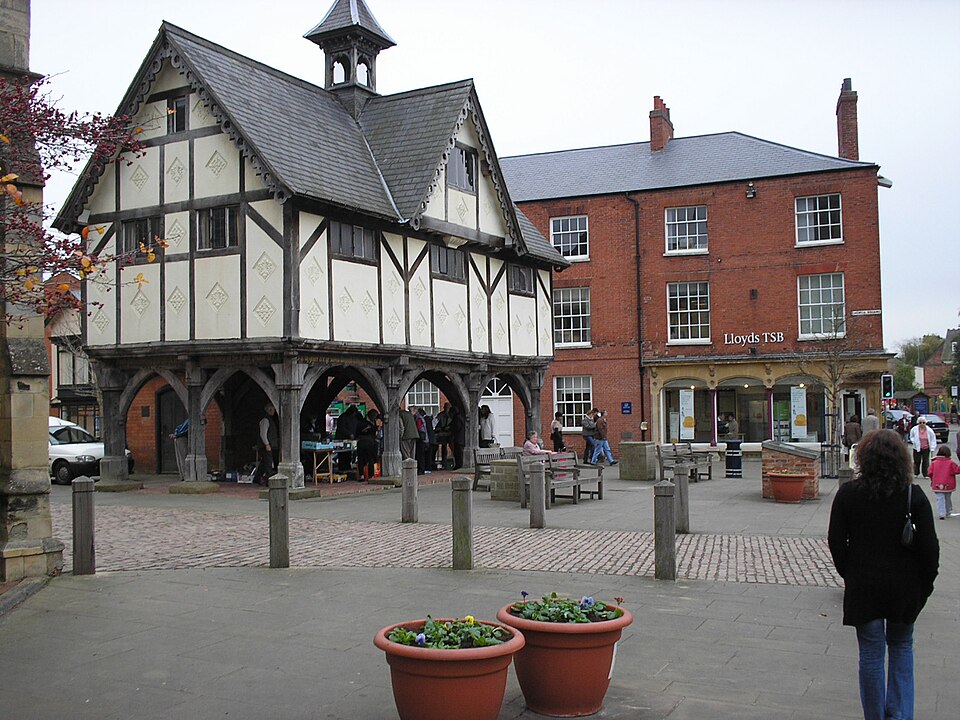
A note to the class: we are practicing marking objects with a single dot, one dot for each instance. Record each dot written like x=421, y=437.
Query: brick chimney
x=661, y=129
x=847, y=142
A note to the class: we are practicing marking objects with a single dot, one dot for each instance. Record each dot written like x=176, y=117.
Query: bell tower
x=351, y=38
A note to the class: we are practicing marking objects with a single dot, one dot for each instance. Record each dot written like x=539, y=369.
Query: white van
x=74, y=451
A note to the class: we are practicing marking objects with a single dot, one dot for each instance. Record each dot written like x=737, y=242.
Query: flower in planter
x=555, y=609
x=451, y=634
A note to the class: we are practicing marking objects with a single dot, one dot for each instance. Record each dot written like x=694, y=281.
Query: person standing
x=871, y=422
x=886, y=584
x=179, y=437
x=367, y=446
x=458, y=435
x=601, y=445
x=943, y=480
x=269, y=443
x=556, y=432
x=924, y=440
x=409, y=435
x=488, y=432
x=852, y=432
x=733, y=427
x=444, y=439
x=588, y=425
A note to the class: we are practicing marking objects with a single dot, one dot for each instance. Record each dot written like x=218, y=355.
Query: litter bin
x=734, y=459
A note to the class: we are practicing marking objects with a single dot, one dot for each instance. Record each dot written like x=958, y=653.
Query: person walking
x=458, y=435
x=588, y=425
x=409, y=435
x=269, y=444
x=601, y=445
x=924, y=440
x=556, y=433
x=852, y=432
x=886, y=585
x=943, y=480
x=870, y=422
x=488, y=432
x=179, y=437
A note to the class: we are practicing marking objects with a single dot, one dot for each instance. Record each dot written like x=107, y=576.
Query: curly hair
x=885, y=465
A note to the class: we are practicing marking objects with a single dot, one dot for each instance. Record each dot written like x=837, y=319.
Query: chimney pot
x=848, y=145
x=661, y=128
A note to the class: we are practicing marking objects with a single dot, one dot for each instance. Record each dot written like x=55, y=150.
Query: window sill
x=690, y=342
x=808, y=338
x=675, y=253
x=568, y=346
x=818, y=243
x=575, y=258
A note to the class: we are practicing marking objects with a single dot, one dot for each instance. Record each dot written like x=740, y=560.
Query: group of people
x=422, y=437
x=594, y=429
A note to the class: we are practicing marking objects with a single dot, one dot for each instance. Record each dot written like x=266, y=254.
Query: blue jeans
x=944, y=503
x=889, y=698
x=601, y=446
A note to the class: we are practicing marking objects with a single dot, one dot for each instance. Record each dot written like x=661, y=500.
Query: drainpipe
x=636, y=233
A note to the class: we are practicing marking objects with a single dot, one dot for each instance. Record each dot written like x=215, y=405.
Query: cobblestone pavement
x=135, y=538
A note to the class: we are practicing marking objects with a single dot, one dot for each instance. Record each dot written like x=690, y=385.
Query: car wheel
x=62, y=474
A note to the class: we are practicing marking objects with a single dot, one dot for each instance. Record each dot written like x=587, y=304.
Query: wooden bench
x=594, y=475
x=482, y=457
x=561, y=470
x=525, y=464
x=701, y=468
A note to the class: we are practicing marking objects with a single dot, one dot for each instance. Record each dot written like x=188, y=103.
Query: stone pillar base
x=114, y=468
x=28, y=559
x=294, y=473
x=638, y=461
x=391, y=464
x=195, y=468
x=504, y=483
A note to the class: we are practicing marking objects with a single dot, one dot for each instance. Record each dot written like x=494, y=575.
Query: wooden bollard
x=462, y=523
x=664, y=531
x=681, y=482
x=409, y=512
x=84, y=550
x=279, y=522
x=538, y=496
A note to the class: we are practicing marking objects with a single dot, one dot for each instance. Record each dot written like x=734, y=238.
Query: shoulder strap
x=909, y=500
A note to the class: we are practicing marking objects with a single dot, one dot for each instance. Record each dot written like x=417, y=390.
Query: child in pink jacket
x=943, y=479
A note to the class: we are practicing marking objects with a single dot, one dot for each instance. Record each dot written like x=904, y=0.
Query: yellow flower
x=469, y=620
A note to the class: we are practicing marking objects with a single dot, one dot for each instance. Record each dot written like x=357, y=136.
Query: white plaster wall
x=177, y=300
x=356, y=309
x=437, y=204
x=217, y=292
x=167, y=79
x=264, y=273
x=479, y=321
x=200, y=115
x=251, y=181
x=462, y=208
x=104, y=197
x=176, y=172
x=176, y=231
x=314, y=283
x=545, y=312
x=523, y=325
x=140, y=304
x=140, y=181
x=450, y=315
x=499, y=323
x=394, y=311
x=101, y=297
x=420, y=320
x=152, y=120
x=491, y=214
x=216, y=166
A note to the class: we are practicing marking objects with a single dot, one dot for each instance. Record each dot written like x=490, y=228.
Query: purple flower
x=421, y=639
x=523, y=594
x=586, y=602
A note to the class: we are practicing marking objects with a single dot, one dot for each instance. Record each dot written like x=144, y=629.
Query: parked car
x=939, y=427
x=892, y=417
x=74, y=451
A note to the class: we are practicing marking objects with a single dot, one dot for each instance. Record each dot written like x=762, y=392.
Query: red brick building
x=713, y=275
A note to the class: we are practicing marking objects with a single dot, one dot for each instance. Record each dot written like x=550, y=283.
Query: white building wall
x=545, y=312
x=523, y=326
x=152, y=120
x=200, y=115
x=140, y=181
x=499, y=322
x=394, y=311
x=104, y=197
x=216, y=166
x=479, y=320
x=437, y=205
x=177, y=300
x=140, y=303
x=356, y=310
x=314, y=282
x=420, y=316
x=176, y=172
x=176, y=231
x=450, y=315
x=102, y=296
x=217, y=292
x=264, y=273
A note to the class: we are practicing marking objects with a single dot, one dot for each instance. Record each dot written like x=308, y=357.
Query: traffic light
x=886, y=386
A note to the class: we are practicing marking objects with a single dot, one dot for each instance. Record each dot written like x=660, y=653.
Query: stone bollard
x=538, y=496
x=279, y=522
x=84, y=550
x=681, y=482
x=664, y=531
x=462, y=523
x=409, y=512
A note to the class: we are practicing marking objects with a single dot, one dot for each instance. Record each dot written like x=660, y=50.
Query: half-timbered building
x=315, y=237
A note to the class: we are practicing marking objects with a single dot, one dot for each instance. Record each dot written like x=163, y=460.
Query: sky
x=562, y=74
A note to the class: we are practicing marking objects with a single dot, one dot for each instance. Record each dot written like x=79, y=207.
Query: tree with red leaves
x=36, y=139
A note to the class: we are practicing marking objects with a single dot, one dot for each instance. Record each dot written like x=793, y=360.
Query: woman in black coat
x=886, y=584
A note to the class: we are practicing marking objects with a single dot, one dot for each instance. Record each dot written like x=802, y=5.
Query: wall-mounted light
x=801, y=385
x=751, y=191
x=746, y=386
x=693, y=387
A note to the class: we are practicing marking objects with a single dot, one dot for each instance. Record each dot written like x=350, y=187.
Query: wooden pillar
x=664, y=531
x=195, y=467
x=290, y=374
x=462, y=523
x=409, y=511
x=279, y=521
x=84, y=547
x=538, y=494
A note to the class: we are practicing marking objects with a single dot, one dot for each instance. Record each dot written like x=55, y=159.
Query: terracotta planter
x=442, y=684
x=565, y=668
x=787, y=488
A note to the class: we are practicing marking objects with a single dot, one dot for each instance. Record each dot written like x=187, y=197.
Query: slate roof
x=348, y=14
x=307, y=144
x=699, y=160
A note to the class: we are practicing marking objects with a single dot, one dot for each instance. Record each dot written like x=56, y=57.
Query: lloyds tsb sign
x=754, y=338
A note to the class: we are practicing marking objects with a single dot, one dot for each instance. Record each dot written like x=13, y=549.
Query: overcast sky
x=560, y=74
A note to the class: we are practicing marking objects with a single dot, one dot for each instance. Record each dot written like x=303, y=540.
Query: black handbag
x=909, y=531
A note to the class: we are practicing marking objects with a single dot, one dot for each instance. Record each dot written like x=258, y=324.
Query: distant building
x=936, y=367
x=710, y=275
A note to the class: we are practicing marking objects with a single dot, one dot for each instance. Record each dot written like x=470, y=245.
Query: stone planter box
x=638, y=461
x=504, y=484
x=784, y=456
